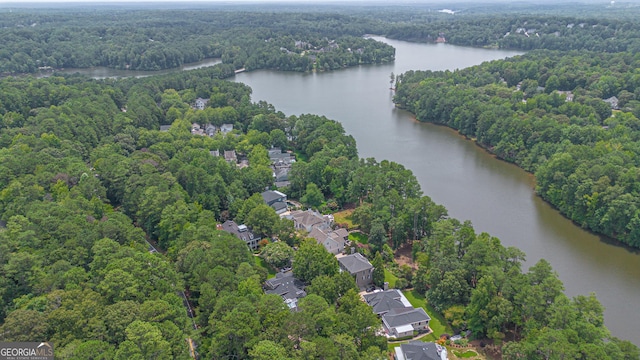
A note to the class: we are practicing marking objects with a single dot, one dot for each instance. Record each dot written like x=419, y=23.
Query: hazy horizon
x=363, y=2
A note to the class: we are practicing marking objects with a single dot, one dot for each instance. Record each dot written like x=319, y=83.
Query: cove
x=101, y=72
x=496, y=196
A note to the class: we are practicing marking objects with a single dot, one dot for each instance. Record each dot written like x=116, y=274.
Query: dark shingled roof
x=270, y=196
x=285, y=285
x=355, y=263
x=404, y=316
x=418, y=350
x=383, y=301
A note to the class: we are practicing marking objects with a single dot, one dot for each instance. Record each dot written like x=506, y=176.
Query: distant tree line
x=293, y=40
x=154, y=40
x=527, y=32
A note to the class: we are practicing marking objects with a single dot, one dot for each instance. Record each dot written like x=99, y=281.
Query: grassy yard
x=457, y=354
x=392, y=346
x=344, y=217
x=438, y=324
x=359, y=237
x=390, y=278
x=260, y=262
x=465, y=354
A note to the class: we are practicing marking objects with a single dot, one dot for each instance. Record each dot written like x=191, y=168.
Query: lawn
x=344, y=217
x=260, y=262
x=466, y=354
x=390, y=278
x=438, y=324
x=359, y=237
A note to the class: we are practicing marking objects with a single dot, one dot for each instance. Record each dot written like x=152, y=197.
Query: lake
x=101, y=72
x=496, y=196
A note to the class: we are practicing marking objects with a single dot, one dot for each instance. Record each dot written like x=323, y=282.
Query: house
x=244, y=163
x=418, y=350
x=286, y=286
x=278, y=157
x=340, y=234
x=275, y=199
x=210, y=130
x=319, y=228
x=214, y=153
x=613, y=102
x=281, y=176
x=402, y=322
x=382, y=302
x=226, y=128
x=201, y=103
x=242, y=232
x=358, y=266
x=281, y=164
x=332, y=241
x=196, y=129
x=568, y=95
x=165, y=127
x=230, y=156
x=308, y=219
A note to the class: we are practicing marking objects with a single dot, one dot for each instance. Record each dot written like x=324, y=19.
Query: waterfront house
x=418, y=350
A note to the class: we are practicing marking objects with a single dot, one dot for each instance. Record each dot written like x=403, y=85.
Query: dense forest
x=87, y=177
x=85, y=183
x=290, y=38
x=90, y=188
x=154, y=40
x=527, y=32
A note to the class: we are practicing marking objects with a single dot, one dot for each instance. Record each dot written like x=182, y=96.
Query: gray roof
x=613, y=101
x=318, y=234
x=339, y=232
x=240, y=231
x=271, y=196
x=165, y=127
x=285, y=285
x=279, y=206
x=418, y=350
x=337, y=237
x=307, y=218
x=281, y=174
x=404, y=316
x=230, y=155
x=285, y=158
x=383, y=301
x=355, y=263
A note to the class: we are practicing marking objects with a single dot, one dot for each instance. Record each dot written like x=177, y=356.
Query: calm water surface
x=497, y=197
x=100, y=72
